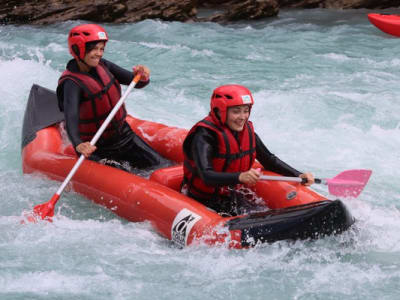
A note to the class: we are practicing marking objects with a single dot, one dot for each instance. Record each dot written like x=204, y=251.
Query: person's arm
x=72, y=95
x=272, y=163
x=122, y=75
x=203, y=148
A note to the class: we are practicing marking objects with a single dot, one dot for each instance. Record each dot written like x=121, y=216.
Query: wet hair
x=91, y=45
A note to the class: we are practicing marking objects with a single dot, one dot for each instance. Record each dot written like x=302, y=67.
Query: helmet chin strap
x=217, y=115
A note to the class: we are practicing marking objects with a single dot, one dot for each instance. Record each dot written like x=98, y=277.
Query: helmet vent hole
x=229, y=97
x=218, y=96
x=86, y=33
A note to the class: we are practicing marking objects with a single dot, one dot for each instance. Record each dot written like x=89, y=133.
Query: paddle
x=46, y=210
x=349, y=183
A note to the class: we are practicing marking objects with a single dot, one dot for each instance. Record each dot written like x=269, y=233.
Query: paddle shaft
x=292, y=179
x=97, y=135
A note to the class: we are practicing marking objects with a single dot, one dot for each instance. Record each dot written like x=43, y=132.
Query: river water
x=326, y=86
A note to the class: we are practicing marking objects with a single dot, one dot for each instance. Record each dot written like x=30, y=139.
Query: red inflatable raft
x=389, y=24
x=292, y=211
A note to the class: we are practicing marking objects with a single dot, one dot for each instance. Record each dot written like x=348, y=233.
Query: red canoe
x=387, y=23
x=292, y=211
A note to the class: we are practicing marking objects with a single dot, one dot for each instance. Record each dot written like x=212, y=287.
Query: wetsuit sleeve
x=122, y=75
x=204, y=146
x=272, y=163
x=72, y=95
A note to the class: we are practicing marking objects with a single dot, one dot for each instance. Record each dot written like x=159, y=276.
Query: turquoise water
x=326, y=86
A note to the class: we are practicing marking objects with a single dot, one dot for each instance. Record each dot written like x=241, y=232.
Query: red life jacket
x=234, y=155
x=98, y=100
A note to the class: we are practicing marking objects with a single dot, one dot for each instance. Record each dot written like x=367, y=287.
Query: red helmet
x=226, y=96
x=82, y=34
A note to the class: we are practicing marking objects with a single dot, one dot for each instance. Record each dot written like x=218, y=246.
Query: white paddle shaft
x=292, y=179
x=280, y=178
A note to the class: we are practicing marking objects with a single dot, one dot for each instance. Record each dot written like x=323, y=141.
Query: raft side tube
x=164, y=139
x=275, y=194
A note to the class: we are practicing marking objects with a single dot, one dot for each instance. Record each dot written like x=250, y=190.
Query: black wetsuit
x=125, y=145
x=204, y=146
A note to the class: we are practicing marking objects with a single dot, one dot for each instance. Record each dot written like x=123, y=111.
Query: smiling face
x=236, y=117
x=92, y=58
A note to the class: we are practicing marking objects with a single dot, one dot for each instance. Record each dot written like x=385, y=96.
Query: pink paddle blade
x=349, y=183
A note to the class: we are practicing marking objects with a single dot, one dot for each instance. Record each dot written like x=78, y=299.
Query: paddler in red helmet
x=220, y=151
x=88, y=90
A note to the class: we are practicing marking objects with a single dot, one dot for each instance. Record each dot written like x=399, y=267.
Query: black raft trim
x=41, y=111
x=307, y=221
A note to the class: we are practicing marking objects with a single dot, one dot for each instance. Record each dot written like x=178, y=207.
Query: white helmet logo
x=102, y=35
x=246, y=99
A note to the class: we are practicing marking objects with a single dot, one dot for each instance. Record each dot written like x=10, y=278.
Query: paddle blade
x=349, y=183
x=46, y=210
